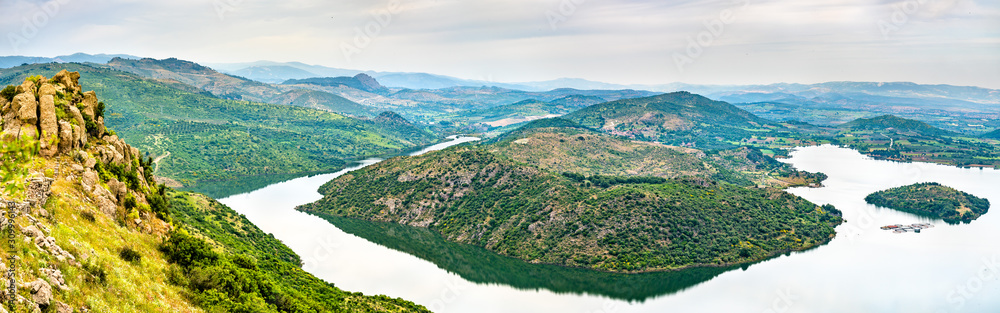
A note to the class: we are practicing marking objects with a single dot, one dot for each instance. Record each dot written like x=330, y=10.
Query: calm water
x=948, y=268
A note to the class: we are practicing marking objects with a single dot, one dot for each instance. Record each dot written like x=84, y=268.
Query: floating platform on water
x=900, y=228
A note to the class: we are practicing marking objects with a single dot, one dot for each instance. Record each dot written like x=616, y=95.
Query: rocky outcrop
x=39, y=190
x=33, y=113
x=48, y=124
x=89, y=104
x=55, y=277
x=68, y=81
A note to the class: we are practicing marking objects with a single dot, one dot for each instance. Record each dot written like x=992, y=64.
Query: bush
x=130, y=255
x=9, y=92
x=186, y=250
x=96, y=274
x=87, y=215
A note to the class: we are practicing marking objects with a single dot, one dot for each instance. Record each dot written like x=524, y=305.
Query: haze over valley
x=500, y=156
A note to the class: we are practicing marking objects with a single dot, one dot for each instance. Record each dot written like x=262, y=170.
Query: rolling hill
x=896, y=124
x=361, y=82
x=561, y=194
x=224, y=146
x=674, y=118
x=995, y=134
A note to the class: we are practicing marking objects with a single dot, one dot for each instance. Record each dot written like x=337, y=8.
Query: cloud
x=763, y=41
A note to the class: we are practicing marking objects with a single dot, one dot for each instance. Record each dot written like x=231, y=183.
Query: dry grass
x=128, y=287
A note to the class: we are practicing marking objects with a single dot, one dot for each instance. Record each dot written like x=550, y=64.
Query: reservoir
x=946, y=268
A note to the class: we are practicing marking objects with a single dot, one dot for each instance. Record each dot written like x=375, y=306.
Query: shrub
x=9, y=92
x=130, y=255
x=186, y=250
x=87, y=215
x=96, y=274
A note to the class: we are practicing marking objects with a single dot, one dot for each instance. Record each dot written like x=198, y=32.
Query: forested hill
x=552, y=205
x=675, y=118
x=932, y=199
x=995, y=134
x=199, y=140
x=895, y=123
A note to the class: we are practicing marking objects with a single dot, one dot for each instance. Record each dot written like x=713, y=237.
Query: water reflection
x=479, y=265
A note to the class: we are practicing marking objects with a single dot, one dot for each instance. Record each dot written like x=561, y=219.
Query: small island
x=932, y=200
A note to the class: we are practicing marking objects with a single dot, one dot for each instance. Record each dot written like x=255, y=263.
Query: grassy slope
x=932, y=199
x=107, y=283
x=475, y=196
x=210, y=139
x=126, y=286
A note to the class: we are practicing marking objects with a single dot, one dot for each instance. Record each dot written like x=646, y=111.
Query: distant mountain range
x=16, y=60
x=424, y=96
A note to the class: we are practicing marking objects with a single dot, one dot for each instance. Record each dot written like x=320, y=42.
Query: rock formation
x=53, y=111
x=67, y=121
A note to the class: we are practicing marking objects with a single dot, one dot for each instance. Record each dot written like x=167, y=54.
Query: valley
x=626, y=194
x=498, y=156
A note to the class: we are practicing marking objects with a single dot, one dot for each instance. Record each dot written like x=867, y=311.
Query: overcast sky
x=636, y=41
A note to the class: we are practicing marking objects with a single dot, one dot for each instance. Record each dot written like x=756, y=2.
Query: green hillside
x=480, y=195
x=559, y=145
x=673, y=118
x=889, y=122
x=230, y=265
x=932, y=199
x=323, y=101
x=203, y=142
x=95, y=233
x=995, y=134
x=514, y=110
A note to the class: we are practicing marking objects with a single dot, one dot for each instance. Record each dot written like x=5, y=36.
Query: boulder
x=133, y=151
x=100, y=126
x=11, y=124
x=29, y=131
x=77, y=116
x=32, y=231
x=89, y=179
x=41, y=292
x=69, y=80
x=63, y=308
x=65, y=137
x=49, y=126
x=105, y=200
x=27, y=107
x=27, y=87
x=89, y=161
x=46, y=89
x=79, y=136
x=117, y=188
x=89, y=104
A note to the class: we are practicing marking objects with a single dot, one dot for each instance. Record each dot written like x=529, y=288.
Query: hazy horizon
x=632, y=42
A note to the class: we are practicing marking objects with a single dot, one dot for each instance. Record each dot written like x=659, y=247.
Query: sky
x=628, y=42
